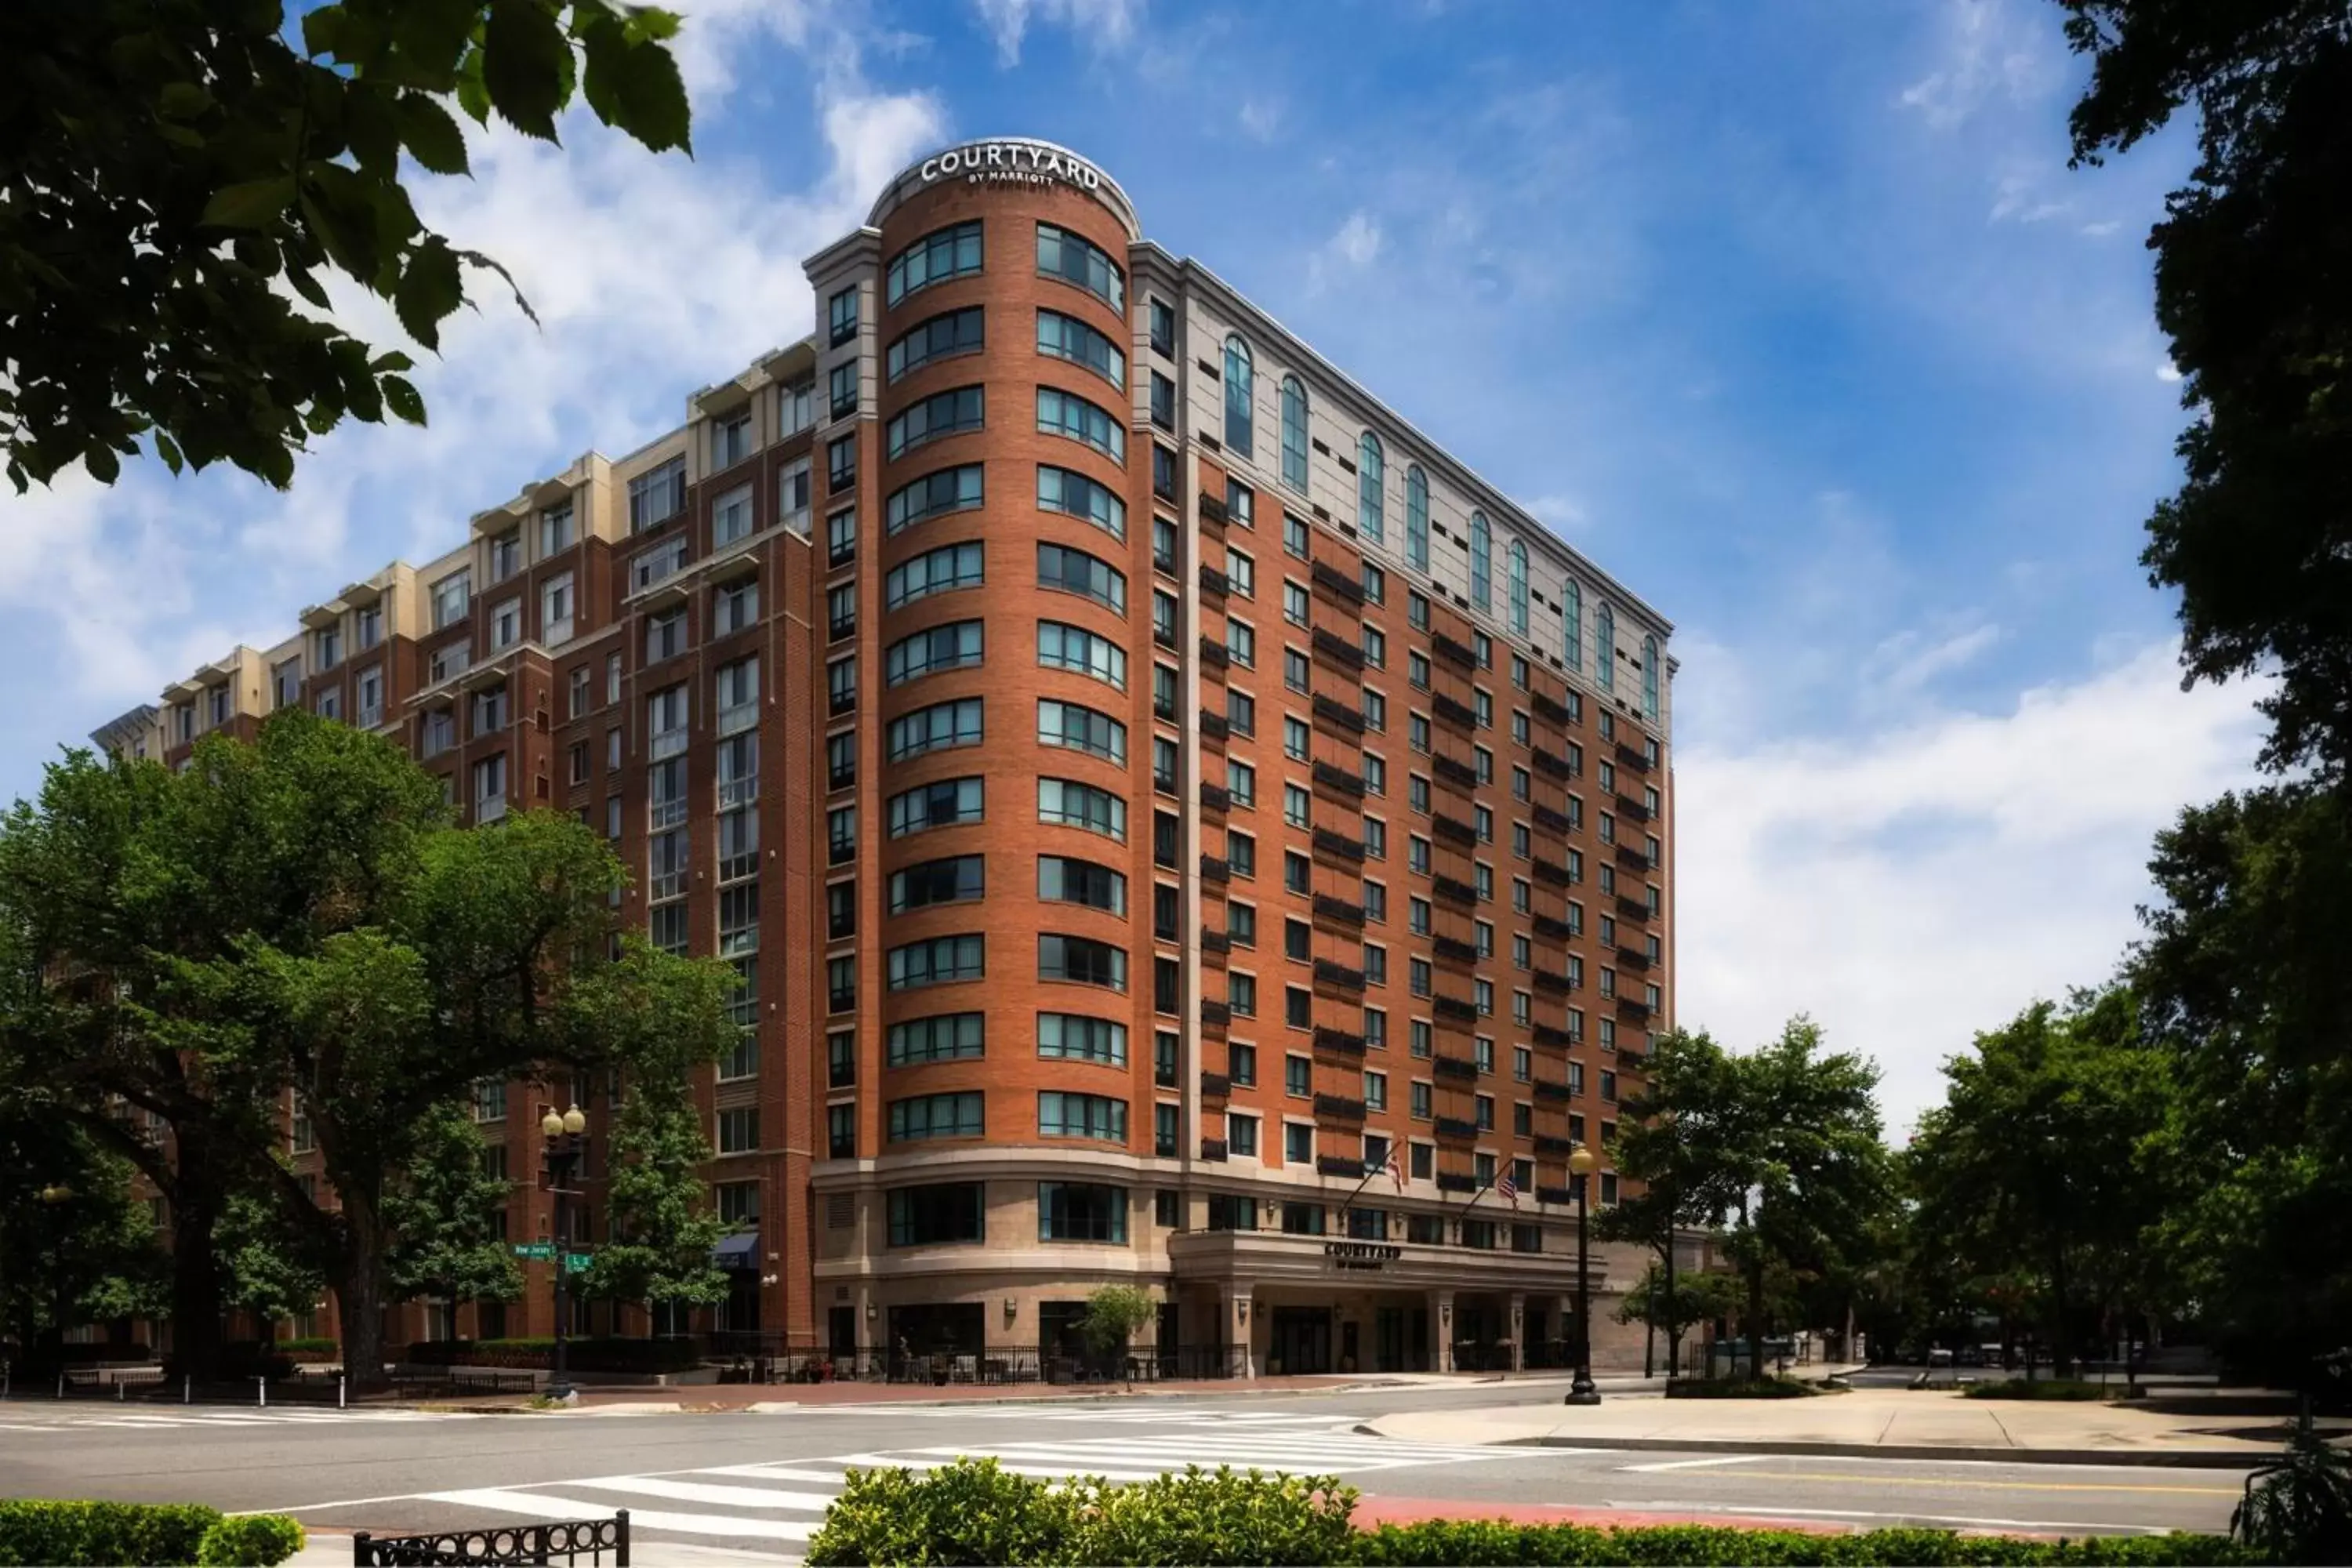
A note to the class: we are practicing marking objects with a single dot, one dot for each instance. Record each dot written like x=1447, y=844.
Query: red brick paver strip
x=1372, y=1512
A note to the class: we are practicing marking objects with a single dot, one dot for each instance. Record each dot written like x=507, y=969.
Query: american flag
x=1509, y=1189
x=1396, y=1169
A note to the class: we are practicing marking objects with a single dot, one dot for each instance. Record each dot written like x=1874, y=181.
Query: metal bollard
x=262, y=1386
x=187, y=1388
x=343, y=1390
x=61, y=1385
x=120, y=1391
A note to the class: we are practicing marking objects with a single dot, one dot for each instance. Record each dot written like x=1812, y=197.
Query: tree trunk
x=197, y=1287
x=2061, y=1337
x=359, y=1294
x=1756, y=1317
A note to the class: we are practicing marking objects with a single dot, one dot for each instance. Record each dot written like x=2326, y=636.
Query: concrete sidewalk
x=1891, y=1424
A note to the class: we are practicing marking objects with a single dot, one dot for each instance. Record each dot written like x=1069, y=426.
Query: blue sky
x=1790, y=315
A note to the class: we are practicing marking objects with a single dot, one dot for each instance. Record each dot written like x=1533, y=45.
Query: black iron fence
x=593, y=1541
x=762, y=1357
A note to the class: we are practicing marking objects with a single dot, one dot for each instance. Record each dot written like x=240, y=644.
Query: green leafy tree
x=444, y=1212
x=670, y=1018
x=2246, y=984
x=1113, y=1314
x=1663, y=1147
x=184, y=177
x=1694, y=1297
x=75, y=1247
x=2250, y=260
x=299, y=916
x=2036, y=1165
x=273, y=1270
x=1797, y=1144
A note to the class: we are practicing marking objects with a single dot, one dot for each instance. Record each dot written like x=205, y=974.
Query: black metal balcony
x=1215, y=1085
x=1340, y=781
x=1330, y=841
x=1215, y=797
x=1456, y=1180
x=1551, y=764
x=1555, y=928
x=1632, y=858
x=1215, y=870
x=1214, y=583
x=1454, y=830
x=1635, y=959
x=1340, y=1165
x=1212, y=512
x=1339, y=1107
x=1454, y=890
x=1453, y=652
x=1460, y=1069
x=1553, y=872
x=1633, y=757
x=1339, y=1041
x=1213, y=726
x=1459, y=715
x=1460, y=1009
x=1550, y=1035
x=1454, y=1127
x=1553, y=983
x=1332, y=973
x=1460, y=775
x=1546, y=1143
x=1555, y=1196
x=1215, y=1014
x=1213, y=653
x=1632, y=810
x=1215, y=942
x=1634, y=909
x=1548, y=1091
x=1337, y=910
x=1453, y=949
x=1336, y=584
x=1633, y=1009
x=1212, y=1149
x=1338, y=715
x=1551, y=707
x=1550, y=820
x=1338, y=649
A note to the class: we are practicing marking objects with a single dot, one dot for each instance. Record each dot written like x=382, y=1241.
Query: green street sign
x=577, y=1262
x=539, y=1251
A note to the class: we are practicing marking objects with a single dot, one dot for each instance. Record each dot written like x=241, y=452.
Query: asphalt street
x=759, y=1482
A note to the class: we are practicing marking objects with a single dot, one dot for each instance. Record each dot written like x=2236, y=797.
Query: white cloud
x=2168, y=372
x=1902, y=664
x=1106, y=24
x=1988, y=50
x=1910, y=886
x=1260, y=118
x=1359, y=239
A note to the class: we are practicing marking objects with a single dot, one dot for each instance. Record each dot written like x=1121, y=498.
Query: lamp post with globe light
x=566, y=1133
x=1581, y=1392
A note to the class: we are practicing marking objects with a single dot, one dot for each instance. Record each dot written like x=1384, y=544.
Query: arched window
x=1240, y=388
x=1416, y=517
x=1293, y=434
x=1482, y=562
x=1372, y=490
x=1571, y=625
x=1650, y=678
x=1604, y=647
x=1515, y=564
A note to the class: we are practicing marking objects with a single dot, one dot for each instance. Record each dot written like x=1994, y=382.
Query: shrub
x=253, y=1540
x=1219, y=1516
x=37, y=1531
x=967, y=1512
x=322, y=1346
x=2298, y=1506
x=2039, y=1388
x=538, y=1353
x=1479, y=1542
x=1740, y=1388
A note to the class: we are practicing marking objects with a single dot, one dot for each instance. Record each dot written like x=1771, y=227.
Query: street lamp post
x=566, y=1133
x=1581, y=1392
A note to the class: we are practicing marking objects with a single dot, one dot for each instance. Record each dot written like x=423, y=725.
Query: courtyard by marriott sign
x=1011, y=162
x=1362, y=1254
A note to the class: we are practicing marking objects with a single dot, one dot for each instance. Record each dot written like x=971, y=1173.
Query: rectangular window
x=925, y=1116
x=938, y=1216
x=1072, y=1211
x=1095, y=1117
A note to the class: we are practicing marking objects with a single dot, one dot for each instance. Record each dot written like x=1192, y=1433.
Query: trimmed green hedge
x=581, y=1355
x=1740, y=1388
x=974, y=1512
x=140, y=1536
x=2041, y=1389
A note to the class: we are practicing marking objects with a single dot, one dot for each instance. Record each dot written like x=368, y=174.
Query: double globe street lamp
x=566, y=1135
x=1581, y=1392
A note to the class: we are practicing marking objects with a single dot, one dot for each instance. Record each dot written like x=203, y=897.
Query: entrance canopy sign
x=1370, y=1255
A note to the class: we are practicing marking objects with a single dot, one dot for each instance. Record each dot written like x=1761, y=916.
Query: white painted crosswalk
x=160, y=1417
x=1148, y=1412
x=777, y=1506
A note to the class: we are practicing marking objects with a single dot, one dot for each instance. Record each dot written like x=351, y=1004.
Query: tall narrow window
x=1604, y=647
x=1571, y=625
x=1371, y=483
x=1416, y=517
x=1240, y=388
x=1482, y=562
x=1650, y=678
x=1293, y=434
x=1516, y=583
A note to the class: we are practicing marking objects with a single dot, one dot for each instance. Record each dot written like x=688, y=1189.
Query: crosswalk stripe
x=702, y=1491
x=549, y=1506
x=773, y=1473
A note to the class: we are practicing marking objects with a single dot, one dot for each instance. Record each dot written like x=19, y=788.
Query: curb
x=2178, y=1459
x=765, y=1406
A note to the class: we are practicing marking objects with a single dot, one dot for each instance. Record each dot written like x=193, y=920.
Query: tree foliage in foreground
x=2251, y=262
x=183, y=177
